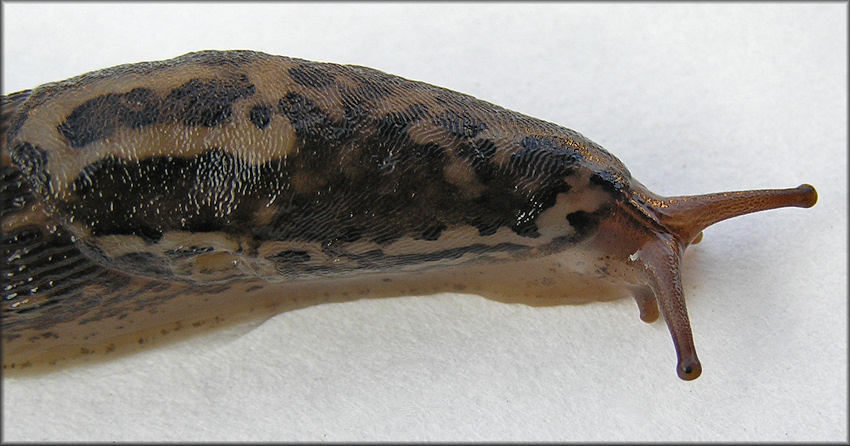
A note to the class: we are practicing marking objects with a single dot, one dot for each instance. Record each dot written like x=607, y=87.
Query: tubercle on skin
x=367, y=173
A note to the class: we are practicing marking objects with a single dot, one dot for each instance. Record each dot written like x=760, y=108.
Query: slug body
x=247, y=175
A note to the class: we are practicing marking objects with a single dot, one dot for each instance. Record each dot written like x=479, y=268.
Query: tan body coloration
x=144, y=199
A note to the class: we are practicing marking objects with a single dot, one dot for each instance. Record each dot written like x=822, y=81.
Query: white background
x=694, y=98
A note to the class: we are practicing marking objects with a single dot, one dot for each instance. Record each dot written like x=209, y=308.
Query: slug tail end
x=660, y=260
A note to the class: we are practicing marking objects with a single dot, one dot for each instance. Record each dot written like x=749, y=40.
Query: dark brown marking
x=93, y=120
x=260, y=115
x=19, y=187
x=312, y=76
x=310, y=121
x=291, y=256
x=584, y=223
x=433, y=233
x=100, y=117
x=608, y=181
x=14, y=191
x=29, y=158
x=478, y=152
x=139, y=108
x=372, y=84
x=544, y=156
x=197, y=102
x=206, y=102
x=462, y=125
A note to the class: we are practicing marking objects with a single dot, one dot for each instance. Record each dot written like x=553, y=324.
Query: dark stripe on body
x=198, y=102
x=296, y=265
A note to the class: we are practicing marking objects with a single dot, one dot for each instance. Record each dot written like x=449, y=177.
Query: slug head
x=668, y=225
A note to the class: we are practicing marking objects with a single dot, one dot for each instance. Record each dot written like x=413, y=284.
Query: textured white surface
x=694, y=98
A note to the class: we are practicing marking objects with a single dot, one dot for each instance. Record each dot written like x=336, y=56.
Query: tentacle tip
x=649, y=316
x=647, y=304
x=689, y=369
x=809, y=195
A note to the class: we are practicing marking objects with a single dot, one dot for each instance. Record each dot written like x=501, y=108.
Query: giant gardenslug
x=150, y=195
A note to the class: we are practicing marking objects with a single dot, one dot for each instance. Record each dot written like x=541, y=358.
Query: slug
x=140, y=198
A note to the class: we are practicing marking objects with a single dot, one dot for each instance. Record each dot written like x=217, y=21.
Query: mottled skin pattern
x=370, y=157
x=127, y=187
x=359, y=159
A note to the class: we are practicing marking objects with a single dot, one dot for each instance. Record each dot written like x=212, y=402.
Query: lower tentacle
x=661, y=259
